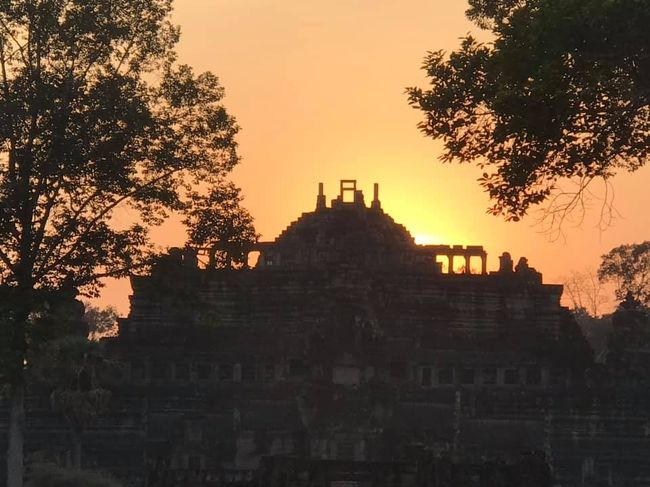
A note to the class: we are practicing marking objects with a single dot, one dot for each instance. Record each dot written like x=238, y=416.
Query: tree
x=628, y=267
x=585, y=292
x=562, y=92
x=218, y=220
x=101, y=321
x=95, y=116
x=70, y=366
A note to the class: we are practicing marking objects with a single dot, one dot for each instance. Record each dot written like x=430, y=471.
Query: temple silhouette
x=348, y=355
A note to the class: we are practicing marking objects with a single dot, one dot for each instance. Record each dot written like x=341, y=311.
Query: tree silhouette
x=218, y=220
x=71, y=367
x=562, y=92
x=102, y=134
x=101, y=322
x=628, y=266
x=585, y=292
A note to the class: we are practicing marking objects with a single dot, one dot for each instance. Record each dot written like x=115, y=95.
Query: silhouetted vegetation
x=51, y=475
x=628, y=267
x=71, y=368
x=101, y=321
x=561, y=92
x=629, y=341
x=586, y=292
x=96, y=115
x=218, y=220
x=596, y=330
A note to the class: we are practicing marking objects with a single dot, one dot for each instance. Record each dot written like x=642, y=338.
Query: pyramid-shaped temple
x=348, y=355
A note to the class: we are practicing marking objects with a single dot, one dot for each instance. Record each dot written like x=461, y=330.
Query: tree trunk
x=76, y=449
x=15, y=467
x=16, y=434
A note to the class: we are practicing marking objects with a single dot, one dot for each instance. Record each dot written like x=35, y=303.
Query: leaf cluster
x=217, y=219
x=102, y=134
x=72, y=367
x=628, y=267
x=101, y=321
x=52, y=315
x=561, y=92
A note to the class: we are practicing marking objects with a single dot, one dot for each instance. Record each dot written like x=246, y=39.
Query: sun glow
x=422, y=239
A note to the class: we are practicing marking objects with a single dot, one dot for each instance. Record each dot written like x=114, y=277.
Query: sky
x=318, y=88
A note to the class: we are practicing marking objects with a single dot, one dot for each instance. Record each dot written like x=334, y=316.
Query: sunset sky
x=318, y=89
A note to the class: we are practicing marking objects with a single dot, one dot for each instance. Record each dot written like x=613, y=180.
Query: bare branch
x=561, y=206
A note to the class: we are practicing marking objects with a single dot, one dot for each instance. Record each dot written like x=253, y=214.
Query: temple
x=338, y=234
x=348, y=355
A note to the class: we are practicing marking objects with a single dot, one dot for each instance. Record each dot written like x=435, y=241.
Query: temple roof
x=349, y=232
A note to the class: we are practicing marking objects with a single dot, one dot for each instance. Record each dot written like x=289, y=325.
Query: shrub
x=51, y=475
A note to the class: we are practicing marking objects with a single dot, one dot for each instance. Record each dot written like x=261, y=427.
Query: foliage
x=561, y=92
x=218, y=219
x=56, y=314
x=96, y=116
x=628, y=267
x=71, y=368
x=102, y=135
x=101, y=321
x=630, y=335
x=51, y=475
x=596, y=330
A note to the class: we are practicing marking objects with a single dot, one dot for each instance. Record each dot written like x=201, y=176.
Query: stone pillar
x=500, y=376
x=505, y=263
x=358, y=198
x=376, y=205
x=320, y=200
x=484, y=264
x=468, y=259
x=360, y=451
x=546, y=376
x=455, y=452
x=278, y=372
x=451, y=263
x=236, y=373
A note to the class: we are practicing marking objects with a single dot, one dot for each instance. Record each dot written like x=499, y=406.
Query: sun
x=423, y=239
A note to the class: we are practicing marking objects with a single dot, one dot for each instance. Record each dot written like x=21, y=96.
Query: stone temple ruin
x=351, y=356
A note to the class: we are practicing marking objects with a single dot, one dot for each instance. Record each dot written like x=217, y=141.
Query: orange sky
x=318, y=89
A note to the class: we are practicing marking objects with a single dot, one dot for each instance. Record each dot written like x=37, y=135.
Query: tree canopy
x=628, y=267
x=102, y=135
x=218, y=220
x=95, y=115
x=71, y=367
x=101, y=321
x=562, y=91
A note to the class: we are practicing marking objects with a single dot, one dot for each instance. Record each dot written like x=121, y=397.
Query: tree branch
x=98, y=218
x=19, y=46
x=7, y=261
x=12, y=135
